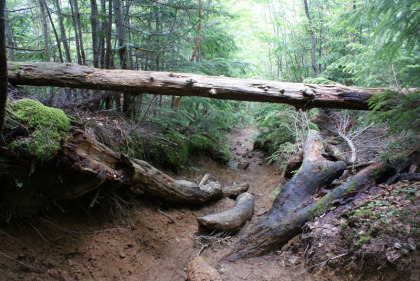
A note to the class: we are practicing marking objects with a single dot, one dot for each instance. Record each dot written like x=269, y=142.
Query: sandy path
x=156, y=241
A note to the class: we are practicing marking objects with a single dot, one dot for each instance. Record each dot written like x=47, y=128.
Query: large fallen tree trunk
x=315, y=172
x=183, y=84
x=84, y=154
x=275, y=230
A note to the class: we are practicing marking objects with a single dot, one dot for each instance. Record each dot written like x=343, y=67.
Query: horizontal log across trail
x=299, y=95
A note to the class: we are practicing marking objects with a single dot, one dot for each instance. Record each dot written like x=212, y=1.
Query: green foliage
x=45, y=126
x=282, y=130
x=401, y=114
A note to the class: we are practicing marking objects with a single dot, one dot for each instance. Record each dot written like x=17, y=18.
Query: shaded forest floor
x=155, y=240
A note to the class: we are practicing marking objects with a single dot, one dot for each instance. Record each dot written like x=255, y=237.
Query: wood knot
x=307, y=93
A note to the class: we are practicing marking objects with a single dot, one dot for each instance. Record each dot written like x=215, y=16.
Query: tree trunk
x=277, y=227
x=63, y=32
x=79, y=28
x=313, y=40
x=95, y=32
x=197, y=38
x=9, y=36
x=315, y=172
x=84, y=154
x=76, y=33
x=60, y=53
x=300, y=95
x=3, y=67
x=44, y=24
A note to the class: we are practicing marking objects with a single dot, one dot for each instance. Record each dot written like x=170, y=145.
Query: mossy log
x=315, y=172
x=276, y=228
x=83, y=153
x=230, y=220
x=299, y=95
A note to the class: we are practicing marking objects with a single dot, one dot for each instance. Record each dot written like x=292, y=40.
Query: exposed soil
x=155, y=240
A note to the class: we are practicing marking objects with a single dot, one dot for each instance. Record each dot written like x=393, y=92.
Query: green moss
x=46, y=127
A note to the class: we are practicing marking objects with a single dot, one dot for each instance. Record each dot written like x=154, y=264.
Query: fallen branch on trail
x=273, y=231
x=84, y=154
x=230, y=220
x=300, y=95
x=315, y=172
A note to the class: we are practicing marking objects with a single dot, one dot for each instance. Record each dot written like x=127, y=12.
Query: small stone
x=122, y=255
x=70, y=262
x=397, y=244
x=243, y=165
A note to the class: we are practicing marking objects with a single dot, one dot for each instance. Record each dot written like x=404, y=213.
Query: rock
x=294, y=260
x=199, y=270
x=243, y=165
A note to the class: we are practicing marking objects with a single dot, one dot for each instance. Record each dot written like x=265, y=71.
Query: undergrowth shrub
x=400, y=115
x=282, y=130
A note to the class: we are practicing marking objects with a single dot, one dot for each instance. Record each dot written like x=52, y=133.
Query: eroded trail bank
x=156, y=240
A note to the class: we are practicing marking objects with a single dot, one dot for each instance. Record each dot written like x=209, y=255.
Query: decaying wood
x=299, y=95
x=198, y=270
x=84, y=154
x=230, y=220
x=275, y=231
x=234, y=190
x=315, y=172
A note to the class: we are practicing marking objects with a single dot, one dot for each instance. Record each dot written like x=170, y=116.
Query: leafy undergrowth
x=377, y=233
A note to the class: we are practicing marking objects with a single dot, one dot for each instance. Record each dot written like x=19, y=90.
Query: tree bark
x=84, y=154
x=95, y=32
x=197, y=38
x=9, y=36
x=63, y=32
x=44, y=24
x=230, y=220
x=304, y=96
x=3, y=67
x=276, y=227
x=313, y=39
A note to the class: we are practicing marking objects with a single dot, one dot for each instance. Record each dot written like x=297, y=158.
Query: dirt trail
x=156, y=241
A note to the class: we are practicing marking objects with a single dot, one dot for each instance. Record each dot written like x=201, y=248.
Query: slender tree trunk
x=34, y=25
x=101, y=40
x=3, y=66
x=9, y=36
x=79, y=28
x=44, y=24
x=95, y=31
x=108, y=37
x=76, y=33
x=313, y=39
x=197, y=38
x=55, y=31
x=122, y=50
x=63, y=32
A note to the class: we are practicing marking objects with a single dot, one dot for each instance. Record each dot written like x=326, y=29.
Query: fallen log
x=274, y=231
x=230, y=220
x=300, y=95
x=84, y=154
x=315, y=172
